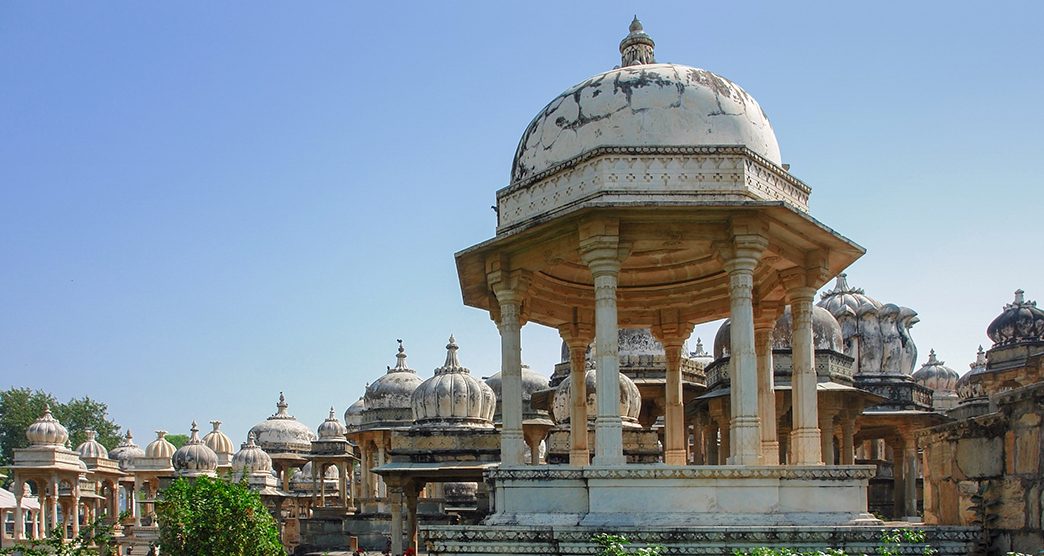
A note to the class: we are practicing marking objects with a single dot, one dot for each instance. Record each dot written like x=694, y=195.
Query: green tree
x=96, y=538
x=19, y=407
x=178, y=440
x=214, y=517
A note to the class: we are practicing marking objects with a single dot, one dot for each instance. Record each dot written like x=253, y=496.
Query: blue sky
x=202, y=204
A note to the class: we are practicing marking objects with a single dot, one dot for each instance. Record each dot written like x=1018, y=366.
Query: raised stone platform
x=681, y=496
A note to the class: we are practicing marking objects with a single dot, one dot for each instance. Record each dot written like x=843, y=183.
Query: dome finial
x=1020, y=296
x=452, y=363
x=932, y=360
x=637, y=47
x=216, y=424
x=281, y=405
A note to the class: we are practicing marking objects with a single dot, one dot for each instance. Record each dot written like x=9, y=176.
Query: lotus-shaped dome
x=532, y=381
x=453, y=397
x=219, y=442
x=331, y=429
x=968, y=386
x=643, y=104
x=195, y=458
x=282, y=433
x=91, y=448
x=161, y=447
x=353, y=415
x=936, y=375
x=843, y=295
x=251, y=458
x=393, y=390
x=47, y=431
x=126, y=451
x=826, y=333
x=1021, y=322
x=630, y=399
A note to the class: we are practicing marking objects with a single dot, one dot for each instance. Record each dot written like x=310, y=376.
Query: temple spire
x=637, y=47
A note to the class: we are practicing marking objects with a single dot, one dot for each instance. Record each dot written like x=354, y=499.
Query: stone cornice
x=659, y=472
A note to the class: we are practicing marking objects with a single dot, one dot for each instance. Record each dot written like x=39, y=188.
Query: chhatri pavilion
x=642, y=202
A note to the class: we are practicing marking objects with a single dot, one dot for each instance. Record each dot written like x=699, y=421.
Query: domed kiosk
x=653, y=196
x=286, y=440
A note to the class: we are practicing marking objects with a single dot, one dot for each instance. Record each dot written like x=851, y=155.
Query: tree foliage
x=19, y=407
x=96, y=538
x=178, y=440
x=214, y=517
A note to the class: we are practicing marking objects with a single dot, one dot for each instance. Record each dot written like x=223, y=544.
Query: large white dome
x=661, y=105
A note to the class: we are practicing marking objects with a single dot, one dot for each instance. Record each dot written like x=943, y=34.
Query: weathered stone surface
x=965, y=505
x=1010, y=510
x=1027, y=450
x=979, y=458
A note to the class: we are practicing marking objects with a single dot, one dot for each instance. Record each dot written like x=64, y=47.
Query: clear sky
x=204, y=203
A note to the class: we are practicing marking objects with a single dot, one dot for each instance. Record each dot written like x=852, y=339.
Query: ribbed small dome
x=453, y=397
x=532, y=381
x=219, y=441
x=843, y=295
x=331, y=429
x=353, y=415
x=826, y=333
x=630, y=399
x=195, y=458
x=126, y=450
x=251, y=458
x=968, y=387
x=1021, y=322
x=394, y=388
x=47, y=431
x=936, y=375
x=161, y=447
x=282, y=433
x=91, y=448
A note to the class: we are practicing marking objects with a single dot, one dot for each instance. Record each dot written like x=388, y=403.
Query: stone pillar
x=766, y=392
x=710, y=442
x=746, y=425
x=674, y=414
x=365, y=479
x=898, y=480
x=805, y=436
x=512, y=443
x=910, y=473
x=395, y=508
x=848, y=438
x=698, y=443
x=577, y=339
x=826, y=434
x=725, y=448
x=19, y=516
x=411, y=518
x=74, y=513
x=605, y=268
x=382, y=486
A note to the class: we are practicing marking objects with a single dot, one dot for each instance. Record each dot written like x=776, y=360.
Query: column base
x=579, y=458
x=675, y=457
x=745, y=441
x=805, y=447
x=770, y=452
x=512, y=448
x=609, y=441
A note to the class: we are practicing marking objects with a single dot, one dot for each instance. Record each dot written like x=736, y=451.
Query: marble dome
x=453, y=397
x=91, y=448
x=161, y=447
x=826, y=333
x=332, y=429
x=353, y=415
x=194, y=458
x=630, y=399
x=532, y=381
x=936, y=375
x=967, y=387
x=219, y=441
x=251, y=458
x=47, y=431
x=126, y=450
x=393, y=390
x=1022, y=321
x=644, y=104
x=282, y=433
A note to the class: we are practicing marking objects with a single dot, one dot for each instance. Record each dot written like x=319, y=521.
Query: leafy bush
x=213, y=517
x=615, y=545
x=92, y=540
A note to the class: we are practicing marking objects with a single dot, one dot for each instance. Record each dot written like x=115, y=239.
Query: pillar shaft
x=512, y=443
x=910, y=477
x=766, y=395
x=674, y=413
x=579, y=452
x=608, y=425
x=746, y=425
x=411, y=519
x=710, y=443
x=826, y=435
x=848, y=438
x=805, y=434
x=19, y=516
x=395, y=508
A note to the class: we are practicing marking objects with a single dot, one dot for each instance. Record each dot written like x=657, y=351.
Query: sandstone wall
x=988, y=470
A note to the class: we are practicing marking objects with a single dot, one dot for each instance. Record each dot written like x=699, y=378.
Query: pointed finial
x=1020, y=297
x=332, y=416
x=452, y=363
x=980, y=359
x=281, y=405
x=400, y=361
x=932, y=360
x=252, y=439
x=637, y=47
x=129, y=436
